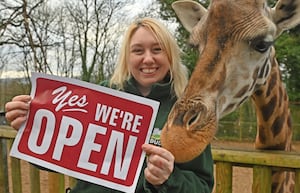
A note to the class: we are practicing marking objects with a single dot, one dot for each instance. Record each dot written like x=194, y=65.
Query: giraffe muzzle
x=187, y=132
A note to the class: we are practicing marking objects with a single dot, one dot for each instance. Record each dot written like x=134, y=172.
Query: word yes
x=64, y=98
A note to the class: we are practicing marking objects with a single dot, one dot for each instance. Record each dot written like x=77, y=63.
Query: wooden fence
x=262, y=163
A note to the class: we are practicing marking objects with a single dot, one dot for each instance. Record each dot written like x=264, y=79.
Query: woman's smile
x=149, y=70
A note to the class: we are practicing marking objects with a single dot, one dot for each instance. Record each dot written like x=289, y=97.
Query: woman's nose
x=148, y=58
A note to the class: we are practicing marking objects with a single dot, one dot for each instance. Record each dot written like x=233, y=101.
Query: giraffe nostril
x=192, y=119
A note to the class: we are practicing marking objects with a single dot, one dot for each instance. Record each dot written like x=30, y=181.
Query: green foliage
x=287, y=50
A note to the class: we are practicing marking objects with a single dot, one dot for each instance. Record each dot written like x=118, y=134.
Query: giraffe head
x=234, y=40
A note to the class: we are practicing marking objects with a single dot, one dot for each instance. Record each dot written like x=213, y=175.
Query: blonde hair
x=178, y=72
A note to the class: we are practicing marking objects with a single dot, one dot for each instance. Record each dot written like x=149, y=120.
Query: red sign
x=83, y=130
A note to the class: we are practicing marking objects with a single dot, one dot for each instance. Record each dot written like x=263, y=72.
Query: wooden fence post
x=56, y=182
x=3, y=167
x=34, y=178
x=15, y=172
x=297, y=180
x=223, y=177
x=262, y=179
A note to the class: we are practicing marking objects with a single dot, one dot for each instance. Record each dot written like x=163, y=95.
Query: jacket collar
x=158, y=91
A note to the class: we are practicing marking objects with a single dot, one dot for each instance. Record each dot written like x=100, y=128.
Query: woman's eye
x=157, y=50
x=137, y=51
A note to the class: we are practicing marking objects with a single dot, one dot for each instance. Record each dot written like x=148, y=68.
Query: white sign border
x=138, y=99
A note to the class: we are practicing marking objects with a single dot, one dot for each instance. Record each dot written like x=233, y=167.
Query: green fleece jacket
x=195, y=176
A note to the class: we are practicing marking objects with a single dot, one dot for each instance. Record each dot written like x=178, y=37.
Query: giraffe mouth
x=187, y=132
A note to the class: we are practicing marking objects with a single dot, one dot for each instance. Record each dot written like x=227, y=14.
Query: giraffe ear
x=188, y=12
x=286, y=14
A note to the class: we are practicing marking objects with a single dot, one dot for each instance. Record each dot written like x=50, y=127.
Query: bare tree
x=95, y=23
x=76, y=36
x=65, y=56
x=10, y=23
x=25, y=31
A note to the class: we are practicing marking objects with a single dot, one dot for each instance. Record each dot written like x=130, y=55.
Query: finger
x=157, y=161
x=16, y=110
x=154, y=170
x=152, y=149
x=16, y=123
x=153, y=179
x=16, y=105
x=16, y=118
x=24, y=98
x=13, y=114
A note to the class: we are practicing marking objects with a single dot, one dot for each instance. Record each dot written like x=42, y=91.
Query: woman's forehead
x=144, y=35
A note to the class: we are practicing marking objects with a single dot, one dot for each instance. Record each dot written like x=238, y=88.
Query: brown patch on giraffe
x=218, y=82
x=280, y=97
x=277, y=125
x=241, y=92
x=291, y=178
x=279, y=146
x=243, y=100
x=264, y=69
x=229, y=107
x=268, y=109
x=272, y=84
x=258, y=92
x=254, y=78
x=262, y=138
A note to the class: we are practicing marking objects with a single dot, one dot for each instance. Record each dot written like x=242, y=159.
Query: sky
x=138, y=7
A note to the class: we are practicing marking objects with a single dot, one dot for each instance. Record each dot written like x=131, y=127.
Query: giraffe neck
x=272, y=112
x=274, y=130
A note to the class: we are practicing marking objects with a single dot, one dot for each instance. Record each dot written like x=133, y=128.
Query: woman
x=149, y=65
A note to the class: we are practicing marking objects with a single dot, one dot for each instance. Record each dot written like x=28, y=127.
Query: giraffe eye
x=260, y=45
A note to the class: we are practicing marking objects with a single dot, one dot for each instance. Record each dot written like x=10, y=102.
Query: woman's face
x=148, y=62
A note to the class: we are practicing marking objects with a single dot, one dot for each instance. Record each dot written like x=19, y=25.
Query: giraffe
x=236, y=62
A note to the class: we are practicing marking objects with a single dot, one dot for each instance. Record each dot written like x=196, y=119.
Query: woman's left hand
x=160, y=164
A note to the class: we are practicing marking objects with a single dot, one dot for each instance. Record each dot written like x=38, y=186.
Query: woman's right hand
x=17, y=109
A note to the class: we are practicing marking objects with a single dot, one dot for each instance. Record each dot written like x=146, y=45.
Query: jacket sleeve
x=195, y=176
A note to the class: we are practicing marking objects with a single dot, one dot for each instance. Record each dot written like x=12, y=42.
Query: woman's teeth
x=148, y=70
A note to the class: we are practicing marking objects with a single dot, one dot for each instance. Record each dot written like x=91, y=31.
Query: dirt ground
x=242, y=177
